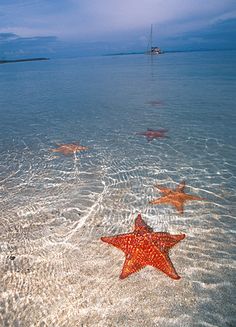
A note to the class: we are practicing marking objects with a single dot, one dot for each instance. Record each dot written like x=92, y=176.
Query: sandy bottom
x=52, y=276
x=55, y=271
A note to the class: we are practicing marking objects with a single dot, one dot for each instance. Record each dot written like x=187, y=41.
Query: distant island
x=21, y=60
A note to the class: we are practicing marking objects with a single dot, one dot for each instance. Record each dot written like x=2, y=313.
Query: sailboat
x=153, y=50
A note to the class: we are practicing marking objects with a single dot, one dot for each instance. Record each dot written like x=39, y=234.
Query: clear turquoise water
x=55, y=209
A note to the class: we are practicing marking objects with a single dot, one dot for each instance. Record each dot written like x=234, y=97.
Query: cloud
x=12, y=45
x=112, y=24
x=7, y=37
x=220, y=35
x=99, y=19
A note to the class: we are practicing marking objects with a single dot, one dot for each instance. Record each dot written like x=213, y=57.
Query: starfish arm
x=131, y=265
x=66, y=152
x=123, y=242
x=140, y=225
x=166, y=241
x=179, y=206
x=193, y=197
x=164, y=190
x=160, y=134
x=84, y=148
x=159, y=200
x=162, y=262
x=180, y=187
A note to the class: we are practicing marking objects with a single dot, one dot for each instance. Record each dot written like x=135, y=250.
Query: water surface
x=55, y=271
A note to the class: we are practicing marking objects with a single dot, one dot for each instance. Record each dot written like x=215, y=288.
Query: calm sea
x=54, y=269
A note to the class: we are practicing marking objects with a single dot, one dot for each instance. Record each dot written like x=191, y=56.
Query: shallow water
x=55, y=271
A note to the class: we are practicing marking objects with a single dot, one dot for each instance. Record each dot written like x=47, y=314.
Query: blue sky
x=76, y=27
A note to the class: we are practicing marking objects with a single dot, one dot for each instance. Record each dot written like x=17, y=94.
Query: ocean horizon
x=55, y=270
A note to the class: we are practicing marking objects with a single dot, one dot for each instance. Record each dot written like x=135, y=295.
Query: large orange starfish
x=176, y=197
x=69, y=148
x=144, y=247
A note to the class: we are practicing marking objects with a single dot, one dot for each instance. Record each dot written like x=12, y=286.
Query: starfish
x=155, y=103
x=143, y=247
x=153, y=134
x=176, y=197
x=69, y=148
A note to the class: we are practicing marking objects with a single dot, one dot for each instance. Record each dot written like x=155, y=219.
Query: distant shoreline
x=22, y=60
x=164, y=52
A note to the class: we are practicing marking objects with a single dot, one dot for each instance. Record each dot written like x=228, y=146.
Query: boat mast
x=151, y=39
x=153, y=50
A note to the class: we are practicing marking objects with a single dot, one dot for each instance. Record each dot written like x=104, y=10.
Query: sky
x=79, y=27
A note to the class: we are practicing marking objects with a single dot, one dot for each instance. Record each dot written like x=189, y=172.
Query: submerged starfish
x=143, y=247
x=176, y=197
x=70, y=148
x=153, y=134
x=155, y=102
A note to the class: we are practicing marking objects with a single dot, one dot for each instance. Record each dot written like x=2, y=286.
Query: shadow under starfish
x=69, y=148
x=143, y=247
x=176, y=197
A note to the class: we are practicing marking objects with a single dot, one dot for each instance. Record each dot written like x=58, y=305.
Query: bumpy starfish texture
x=69, y=148
x=153, y=134
x=143, y=247
x=175, y=197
